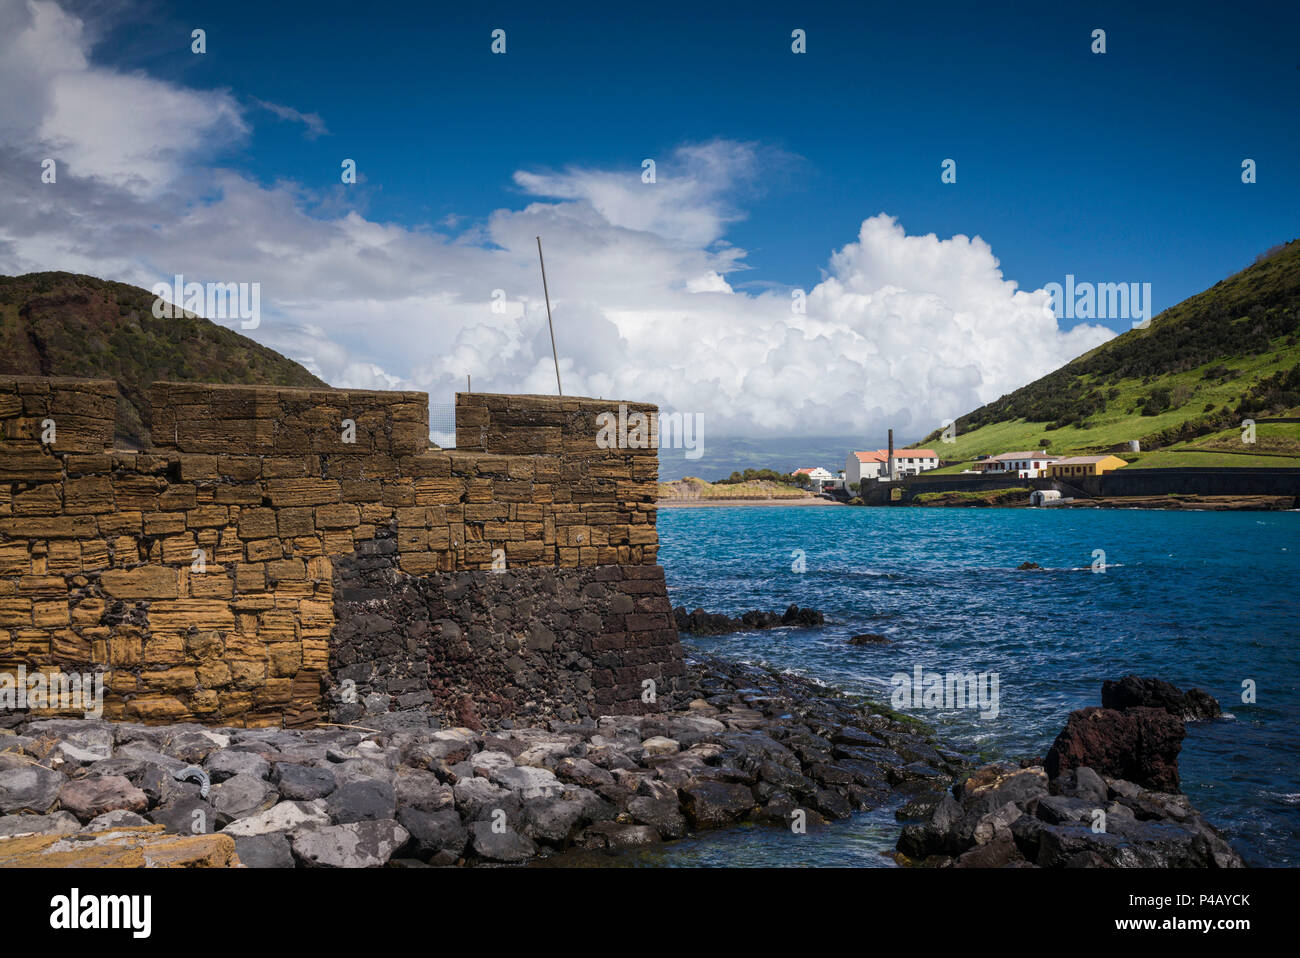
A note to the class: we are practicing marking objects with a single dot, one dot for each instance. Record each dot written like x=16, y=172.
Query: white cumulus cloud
x=902, y=330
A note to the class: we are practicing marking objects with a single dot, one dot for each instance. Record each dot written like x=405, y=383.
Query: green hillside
x=64, y=324
x=1181, y=387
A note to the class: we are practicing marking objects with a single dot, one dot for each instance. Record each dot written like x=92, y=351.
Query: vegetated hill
x=1200, y=368
x=65, y=324
x=691, y=489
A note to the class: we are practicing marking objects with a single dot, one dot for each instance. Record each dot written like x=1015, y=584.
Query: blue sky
x=777, y=175
x=1122, y=166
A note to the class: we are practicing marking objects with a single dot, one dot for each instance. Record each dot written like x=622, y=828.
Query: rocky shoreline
x=396, y=790
x=1106, y=795
x=752, y=744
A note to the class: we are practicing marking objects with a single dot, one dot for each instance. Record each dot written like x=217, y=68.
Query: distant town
x=886, y=465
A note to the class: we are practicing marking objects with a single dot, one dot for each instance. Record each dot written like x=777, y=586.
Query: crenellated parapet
x=199, y=574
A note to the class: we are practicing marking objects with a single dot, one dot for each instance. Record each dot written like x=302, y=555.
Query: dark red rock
x=466, y=715
x=1137, y=744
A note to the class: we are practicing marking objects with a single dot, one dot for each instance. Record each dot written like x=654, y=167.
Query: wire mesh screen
x=442, y=424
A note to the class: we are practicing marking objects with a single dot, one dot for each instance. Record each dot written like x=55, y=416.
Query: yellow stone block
x=157, y=709
x=247, y=673
x=50, y=613
x=204, y=702
x=164, y=523
x=42, y=585
x=182, y=614
x=169, y=680
x=144, y=582
x=314, y=613
x=163, y=650
x=14, y=558
x=181, y=548
x=88, y=611
x=124, y=649
x=262, y=550
x=338, y=542
x=286, y=658
x=15, y=611
x=214, y=674
x=211, y=585
x=204, y=645
x=278, y=626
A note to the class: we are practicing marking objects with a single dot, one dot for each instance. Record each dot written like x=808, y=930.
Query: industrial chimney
x=890, y=463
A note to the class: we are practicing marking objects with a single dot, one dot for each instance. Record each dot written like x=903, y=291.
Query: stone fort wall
x=278, y=548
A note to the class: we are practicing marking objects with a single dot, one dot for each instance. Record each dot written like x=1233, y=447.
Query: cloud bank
x=900, y=330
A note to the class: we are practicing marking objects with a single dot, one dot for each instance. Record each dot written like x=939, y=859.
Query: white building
x=820, y=478
x=874, y=464
x=909, y=462
x=1022, y=465
x=863, y=465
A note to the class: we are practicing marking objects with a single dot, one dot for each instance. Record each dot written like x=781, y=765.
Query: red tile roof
x=880, y=455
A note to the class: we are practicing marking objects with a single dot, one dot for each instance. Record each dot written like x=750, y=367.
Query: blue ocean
x=1204, y=599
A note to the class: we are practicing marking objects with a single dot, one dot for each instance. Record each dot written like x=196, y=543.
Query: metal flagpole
x=554, y=355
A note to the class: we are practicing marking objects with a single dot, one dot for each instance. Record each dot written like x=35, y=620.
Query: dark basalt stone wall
x=479, y=647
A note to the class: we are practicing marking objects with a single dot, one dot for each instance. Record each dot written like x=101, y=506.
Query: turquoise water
x=1197, y=598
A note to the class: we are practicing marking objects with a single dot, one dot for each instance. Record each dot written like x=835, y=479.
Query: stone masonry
x=201, y=575
x=524, y=644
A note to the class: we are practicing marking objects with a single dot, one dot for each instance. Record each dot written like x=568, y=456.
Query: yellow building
x=1084, y=466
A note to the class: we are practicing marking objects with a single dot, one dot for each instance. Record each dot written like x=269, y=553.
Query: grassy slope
x=64, y=324
x=1207, y=354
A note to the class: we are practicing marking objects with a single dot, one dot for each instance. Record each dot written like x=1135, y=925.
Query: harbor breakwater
x=1130, y=482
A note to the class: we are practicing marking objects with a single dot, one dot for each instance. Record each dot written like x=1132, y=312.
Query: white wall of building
x=911, y=465
x=858, y=471
x=1031, y=468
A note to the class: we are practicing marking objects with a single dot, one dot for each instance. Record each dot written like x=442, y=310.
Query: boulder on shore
x=1008, y=817
x=1136, y=734
x=1105, y=796
x=1139, y=744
